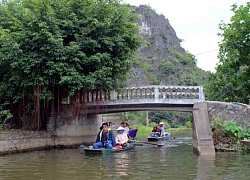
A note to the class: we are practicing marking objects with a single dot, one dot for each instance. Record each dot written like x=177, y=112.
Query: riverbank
x=20, y=141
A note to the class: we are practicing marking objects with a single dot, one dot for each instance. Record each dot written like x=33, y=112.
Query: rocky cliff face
x=161, y=59
x=157, y=29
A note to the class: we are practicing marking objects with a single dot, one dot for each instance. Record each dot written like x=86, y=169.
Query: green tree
x=53, y=48
x=231, y=82
x=168, y=67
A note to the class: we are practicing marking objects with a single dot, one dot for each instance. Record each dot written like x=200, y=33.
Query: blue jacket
x=111, y=137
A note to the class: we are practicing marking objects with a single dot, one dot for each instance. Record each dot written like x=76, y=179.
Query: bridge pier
x=202, y=135
x=70, y=129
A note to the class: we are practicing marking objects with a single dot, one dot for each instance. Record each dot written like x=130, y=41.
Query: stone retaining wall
x=238, y=112
x=32, y=140
x=16, y=141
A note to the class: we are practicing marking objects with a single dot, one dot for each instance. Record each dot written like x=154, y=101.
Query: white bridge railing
x=144, y=92
x=160, y=92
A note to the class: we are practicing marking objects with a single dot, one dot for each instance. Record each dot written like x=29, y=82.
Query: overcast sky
x=196, y=23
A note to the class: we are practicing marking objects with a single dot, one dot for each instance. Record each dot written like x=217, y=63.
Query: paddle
x=172, y=135
x=145, y=142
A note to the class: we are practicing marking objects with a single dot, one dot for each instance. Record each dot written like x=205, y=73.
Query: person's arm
x=162, y=132
x=98, y=137
x=112, y=138
x=127, y=130
x=116, y=139
x=124, y=138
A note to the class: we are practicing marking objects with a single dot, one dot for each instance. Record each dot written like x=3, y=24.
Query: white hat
x=161, y=123
x=120, y=128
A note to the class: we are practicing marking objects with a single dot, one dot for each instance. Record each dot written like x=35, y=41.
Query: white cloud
x=196, y=22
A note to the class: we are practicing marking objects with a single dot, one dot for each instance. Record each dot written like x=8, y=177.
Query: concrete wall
x=114, y=120
x=73, y=127
x=25, y=140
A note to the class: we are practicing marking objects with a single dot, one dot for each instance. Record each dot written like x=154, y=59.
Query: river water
x=174, y=160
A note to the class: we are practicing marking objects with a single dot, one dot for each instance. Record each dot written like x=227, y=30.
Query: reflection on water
x=174, y=160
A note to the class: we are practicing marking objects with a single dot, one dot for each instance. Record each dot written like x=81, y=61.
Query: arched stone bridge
x=177, y=98
x=80, y=116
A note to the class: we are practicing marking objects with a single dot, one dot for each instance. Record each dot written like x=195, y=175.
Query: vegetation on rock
x=226, y=135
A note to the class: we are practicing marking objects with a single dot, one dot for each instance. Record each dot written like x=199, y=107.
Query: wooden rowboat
x=246, y=143
x=154, y=139
x=107, y=151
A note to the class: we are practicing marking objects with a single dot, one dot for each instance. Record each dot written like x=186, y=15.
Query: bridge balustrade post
x=156, y=92
x=164, y=93
x=201, y=97
x=122, y=95
x=112, y=94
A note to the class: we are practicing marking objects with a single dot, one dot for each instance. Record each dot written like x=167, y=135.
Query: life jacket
x=100, y=135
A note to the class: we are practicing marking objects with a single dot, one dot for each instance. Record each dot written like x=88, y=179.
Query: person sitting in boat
x=162, y=128
x=156, y=132
x=125, y=125
x=105, y=138
x=121, y=137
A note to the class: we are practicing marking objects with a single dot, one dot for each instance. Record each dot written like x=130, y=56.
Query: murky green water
x=174, y=160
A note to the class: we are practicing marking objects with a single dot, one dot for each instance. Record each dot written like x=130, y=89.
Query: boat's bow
x=246, y=142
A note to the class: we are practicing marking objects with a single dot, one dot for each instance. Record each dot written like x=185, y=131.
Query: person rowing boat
x=105, y=138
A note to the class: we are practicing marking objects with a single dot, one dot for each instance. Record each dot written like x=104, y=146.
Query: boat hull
x=154, y=139
x=246, y=143
x=107, y=151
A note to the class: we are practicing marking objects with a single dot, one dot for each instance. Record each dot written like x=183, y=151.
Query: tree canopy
x=231, y=81
x=53, y=47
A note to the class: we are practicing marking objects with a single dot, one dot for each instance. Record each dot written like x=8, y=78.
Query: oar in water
x=172, y=135
x=145, y=142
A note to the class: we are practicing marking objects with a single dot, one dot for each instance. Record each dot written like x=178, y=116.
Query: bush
x=228, y=132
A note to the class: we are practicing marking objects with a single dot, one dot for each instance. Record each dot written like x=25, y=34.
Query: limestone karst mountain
x=161, y=59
